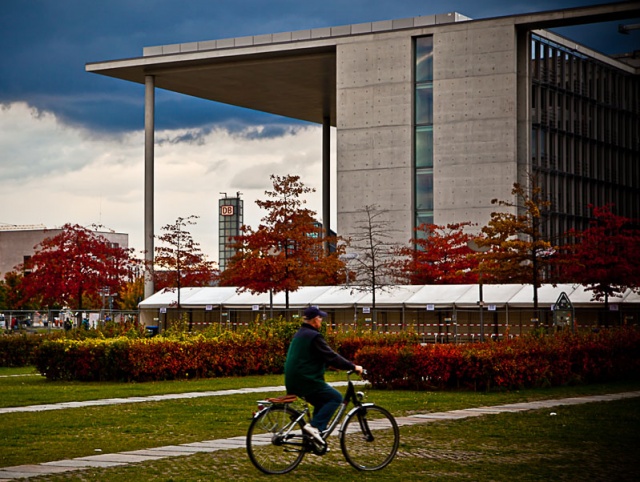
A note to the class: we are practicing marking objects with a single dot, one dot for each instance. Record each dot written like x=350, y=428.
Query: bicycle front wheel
x=275, y=441
x=370, y=438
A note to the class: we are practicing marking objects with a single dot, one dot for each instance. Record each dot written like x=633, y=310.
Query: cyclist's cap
x=313, y=311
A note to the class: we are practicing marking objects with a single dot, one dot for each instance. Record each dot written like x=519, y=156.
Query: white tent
x=408, y=296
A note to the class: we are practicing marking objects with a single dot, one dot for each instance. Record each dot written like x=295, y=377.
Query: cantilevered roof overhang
x=297, y=82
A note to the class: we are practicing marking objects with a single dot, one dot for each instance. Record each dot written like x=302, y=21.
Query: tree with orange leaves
x=518, y=249
x=287, y=250
x=179, y=262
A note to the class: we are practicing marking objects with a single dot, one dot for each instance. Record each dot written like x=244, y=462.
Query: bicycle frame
x=350, y=396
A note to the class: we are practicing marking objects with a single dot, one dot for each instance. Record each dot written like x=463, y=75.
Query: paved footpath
x=155, y=453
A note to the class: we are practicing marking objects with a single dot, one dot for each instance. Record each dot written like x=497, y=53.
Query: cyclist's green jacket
x=308, y=357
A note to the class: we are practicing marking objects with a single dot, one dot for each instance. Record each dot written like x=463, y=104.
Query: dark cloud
x=46, y=44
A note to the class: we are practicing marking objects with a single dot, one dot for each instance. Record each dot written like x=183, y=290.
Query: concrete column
x=149, y=136
x=326, y=175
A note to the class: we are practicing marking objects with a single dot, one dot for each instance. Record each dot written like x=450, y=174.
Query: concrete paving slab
x=152, y=398
x=117, y=458
x=440, y=416
x=402, y=421
x=205, y=447
x=230, y=443
x=494, y=410
x=177, y=448
x=464, y=413
x=37, y=469
x=204, y=443
x=159, y=454
x=78, y=463
x=10, y=475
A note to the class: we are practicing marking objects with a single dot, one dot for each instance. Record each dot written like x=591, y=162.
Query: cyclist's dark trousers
x=325, y=402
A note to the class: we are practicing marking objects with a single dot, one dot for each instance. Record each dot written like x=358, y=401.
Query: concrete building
x=435, y=115
x=18, y=243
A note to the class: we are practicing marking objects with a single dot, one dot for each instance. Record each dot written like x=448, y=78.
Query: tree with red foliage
x=12, y=296
x=438, y=255
x=287, y=250
x=179, y=261
x=605, y=257
x=74, y=268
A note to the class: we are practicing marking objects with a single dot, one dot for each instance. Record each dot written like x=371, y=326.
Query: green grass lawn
x=597, y=441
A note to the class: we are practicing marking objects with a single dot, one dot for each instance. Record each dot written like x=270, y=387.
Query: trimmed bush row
x=153, y=359
x=526, y=362
x=18, y=350
x=395, y=362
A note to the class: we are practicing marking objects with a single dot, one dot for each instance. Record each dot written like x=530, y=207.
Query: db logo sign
x=226, y=210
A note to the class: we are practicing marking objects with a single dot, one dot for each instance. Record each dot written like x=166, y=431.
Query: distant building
x=230, y=221
x=18, y=243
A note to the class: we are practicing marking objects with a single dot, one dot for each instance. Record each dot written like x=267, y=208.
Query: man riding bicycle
x=308, y=357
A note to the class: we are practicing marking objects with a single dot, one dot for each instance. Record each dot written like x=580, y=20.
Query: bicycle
x=276, y=443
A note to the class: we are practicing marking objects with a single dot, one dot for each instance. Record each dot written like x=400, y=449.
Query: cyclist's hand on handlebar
x=358, y=369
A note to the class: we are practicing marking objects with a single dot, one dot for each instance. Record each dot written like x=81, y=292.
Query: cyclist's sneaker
x=314, y=432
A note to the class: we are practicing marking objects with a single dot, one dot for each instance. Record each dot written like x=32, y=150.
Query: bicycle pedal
x=317, y=449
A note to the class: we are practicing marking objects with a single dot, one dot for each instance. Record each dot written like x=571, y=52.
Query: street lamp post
x=473, y=246
x=481, y=306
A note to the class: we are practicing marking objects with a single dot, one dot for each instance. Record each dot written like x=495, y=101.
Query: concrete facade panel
x=388, y=104
x=262, y=39
x=207, y=45
x=374, y=150
x=301, y=35
x=225, y=43
x=390, y=189
x=374, y=62
x=403, y=23
x=171, y=49
x=148, y=51
x=282, y=37
x=424, y=20
x=475, y=121
x=189, y=47
x=359, y=28
x=481, y=142
x=321, y=32
x=381, y=26
x=474, y=98
x=341, y=30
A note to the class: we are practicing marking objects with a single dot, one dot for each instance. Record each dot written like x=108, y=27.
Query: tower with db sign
x=230, y=214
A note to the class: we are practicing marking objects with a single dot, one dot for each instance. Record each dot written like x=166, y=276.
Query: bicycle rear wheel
x=275, y=441
x=370, y=438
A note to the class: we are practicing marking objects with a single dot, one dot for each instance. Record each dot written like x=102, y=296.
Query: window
x=423, y=133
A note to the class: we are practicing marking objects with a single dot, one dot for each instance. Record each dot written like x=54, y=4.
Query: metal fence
x=17, y=320
x=434, y=326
